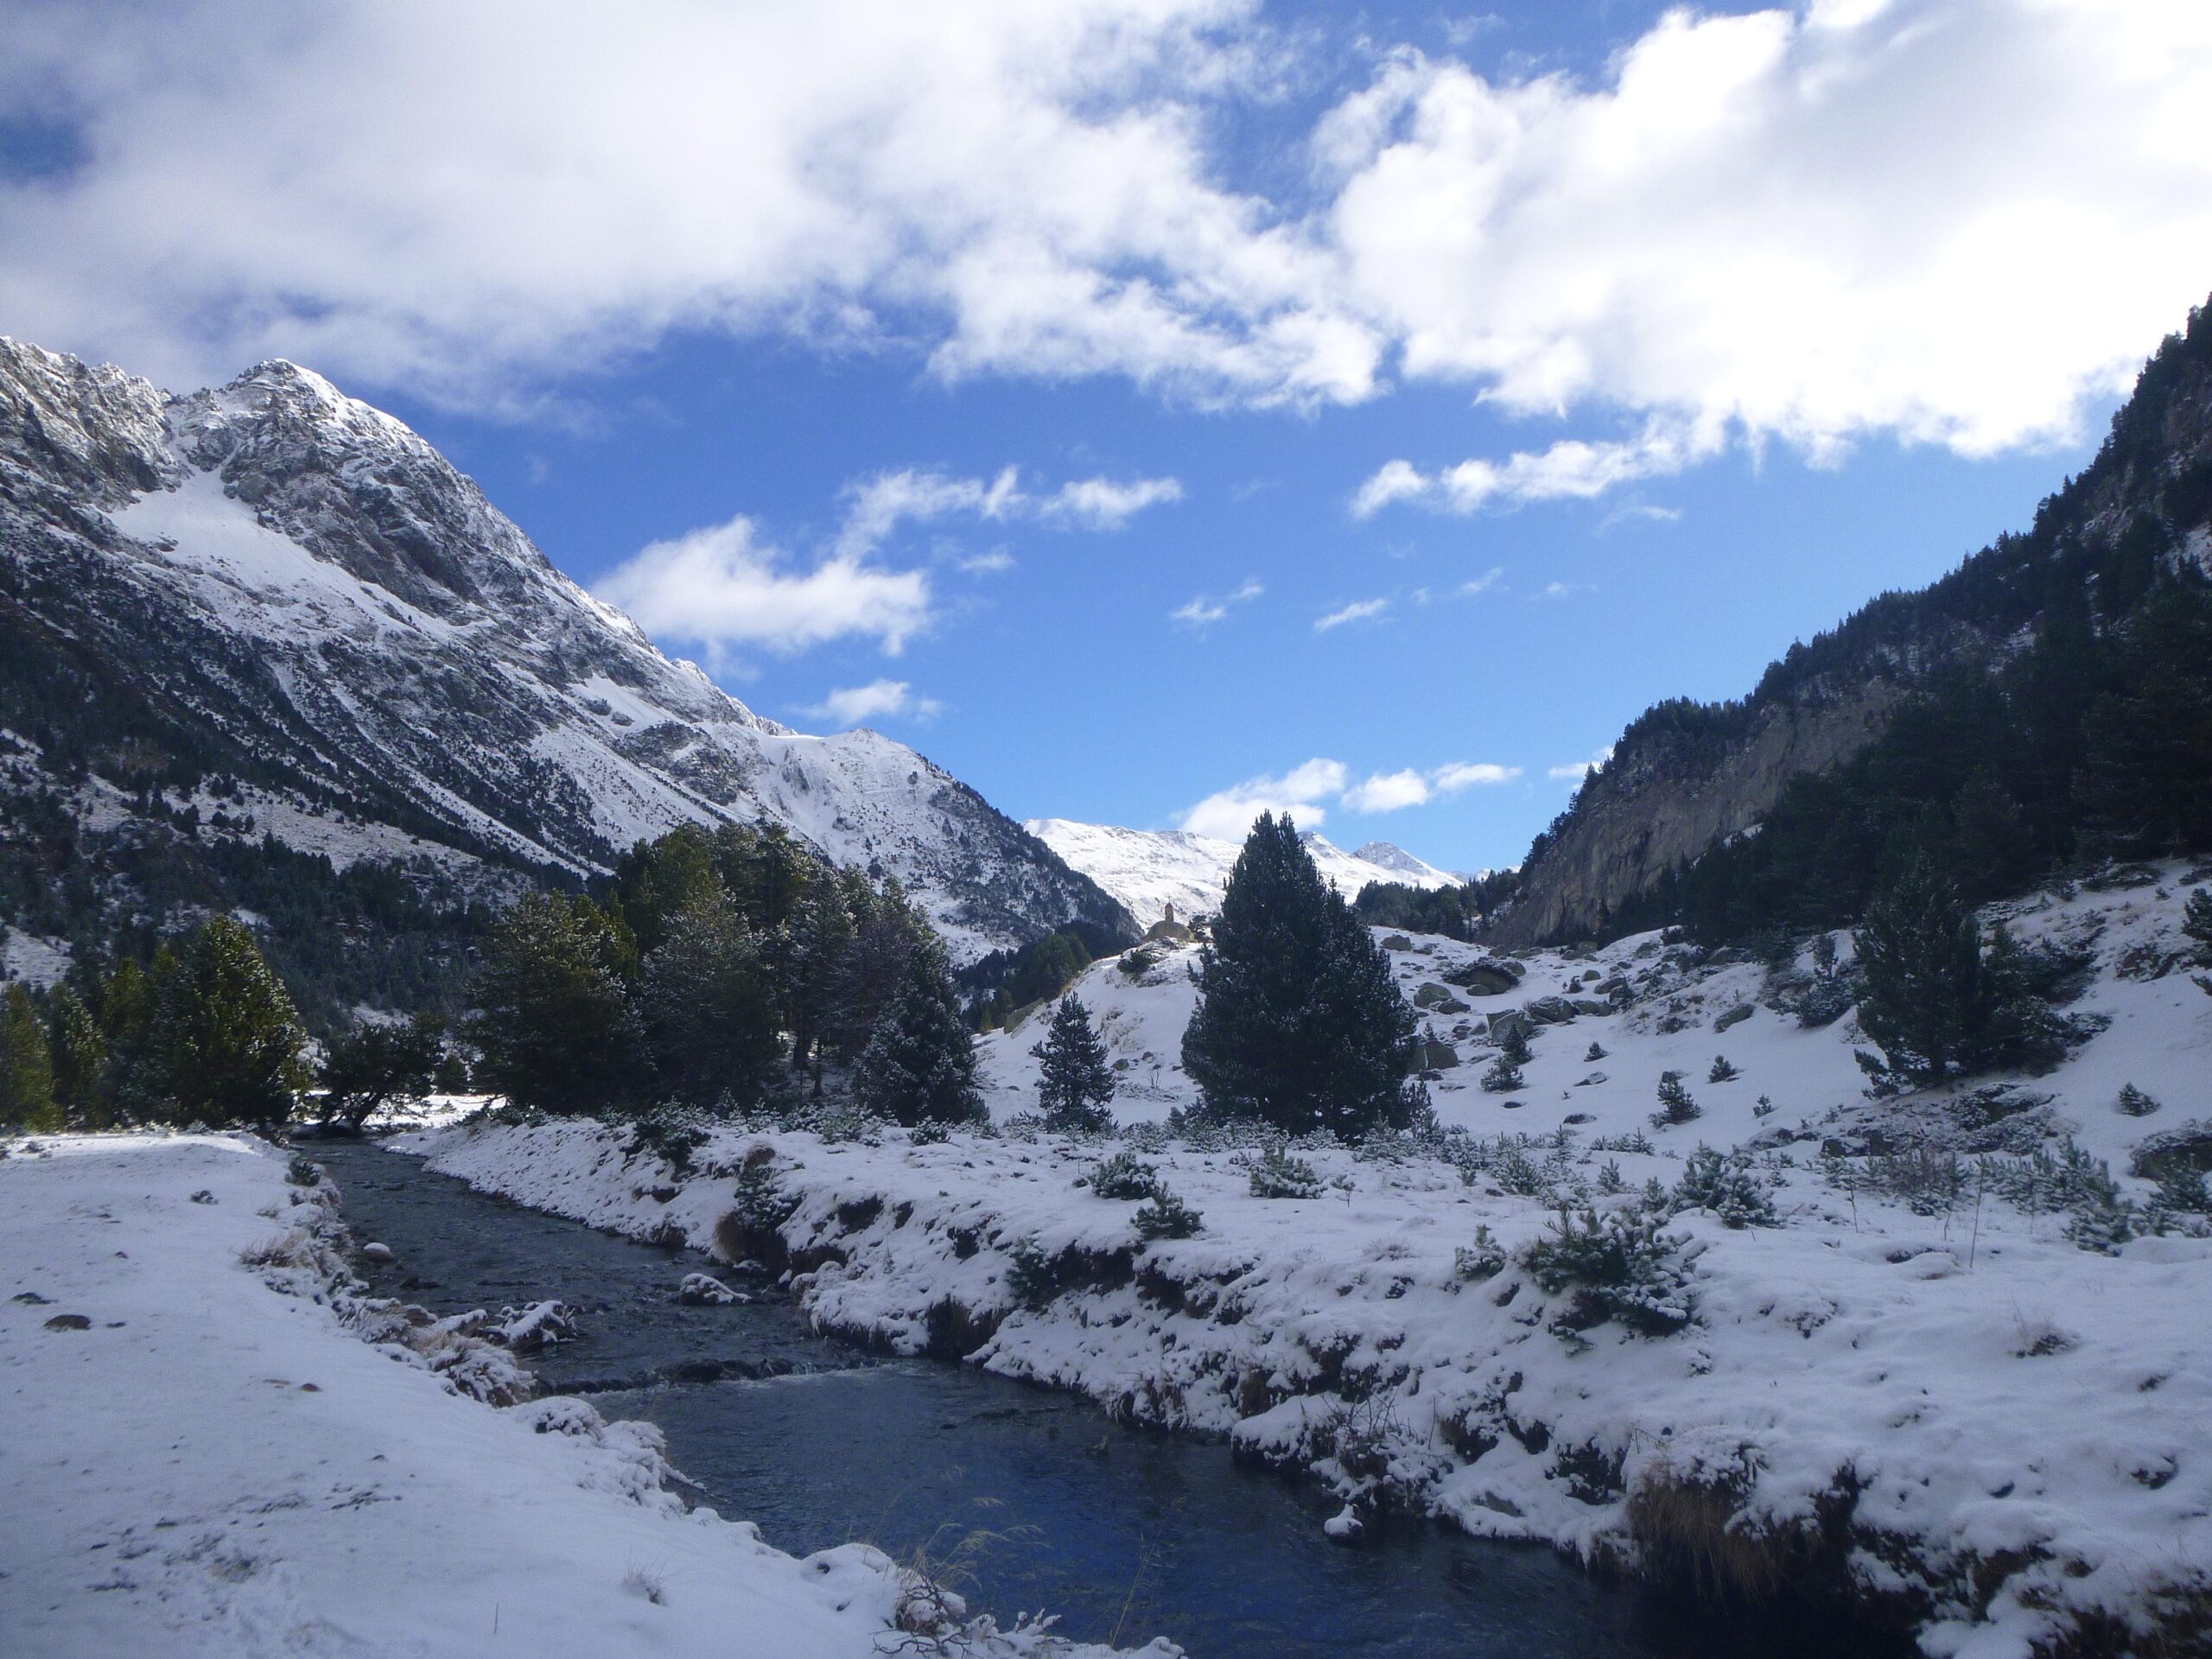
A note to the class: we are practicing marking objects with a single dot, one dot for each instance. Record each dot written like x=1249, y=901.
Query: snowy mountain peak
x=306, y=581
x=1149, y=869
x=1388, y=855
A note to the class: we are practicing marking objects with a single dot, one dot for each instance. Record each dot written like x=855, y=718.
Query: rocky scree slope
x=280, y=586
x=1684, y=775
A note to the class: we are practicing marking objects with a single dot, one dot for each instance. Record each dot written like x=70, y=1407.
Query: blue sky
x=1395, y=403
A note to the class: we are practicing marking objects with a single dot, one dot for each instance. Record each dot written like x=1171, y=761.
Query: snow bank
x=217, y=1468
x=1946, y=1411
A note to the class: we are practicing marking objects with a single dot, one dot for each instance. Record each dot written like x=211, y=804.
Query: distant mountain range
x=1149, y=869
x=269, y=612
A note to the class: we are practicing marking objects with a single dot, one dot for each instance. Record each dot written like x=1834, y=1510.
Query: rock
x=1437, y=1000
x=1345, y=1526
x=1589, y=1005
x=68, y=1322
x=1594, y=1077
x=1438, y=1057
x=540, y=1324
x=1490, y=976
x=704, y=1290
x=1397, y=942
x=377, y=1253
x=1735, y=1016
x=203, y=1196
x=1549, y=1010
x=1507, y=1021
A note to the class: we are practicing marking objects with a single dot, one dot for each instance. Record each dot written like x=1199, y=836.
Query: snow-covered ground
x=203, y=1456
x=1912, y=1391
x=1150, y=869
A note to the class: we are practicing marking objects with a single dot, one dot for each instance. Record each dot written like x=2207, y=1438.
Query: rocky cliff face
x=1685, y=776
x=281, y=585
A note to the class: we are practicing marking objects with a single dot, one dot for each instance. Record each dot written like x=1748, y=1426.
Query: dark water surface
x=1126, y=1532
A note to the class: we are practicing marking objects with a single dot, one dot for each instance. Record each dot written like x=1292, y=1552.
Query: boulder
x=1397, y=942
x=1438, y=1057
x=1549, y=1010
x=704, y=1290
x=1507, y=1021
x=1735, y=1016
x=1436, y=999
x=1589, y=1005
x=1490, y=976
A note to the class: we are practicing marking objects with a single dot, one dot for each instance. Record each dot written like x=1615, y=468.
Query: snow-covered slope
x=1149, y=869
x=306, y=585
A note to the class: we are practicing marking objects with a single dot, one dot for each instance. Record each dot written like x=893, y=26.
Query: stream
x=1024, y=1498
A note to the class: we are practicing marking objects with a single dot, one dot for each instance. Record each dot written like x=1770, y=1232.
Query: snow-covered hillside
x=223, y=1459
x=1150, y=869
x=1913, y=1354
x=326, y=606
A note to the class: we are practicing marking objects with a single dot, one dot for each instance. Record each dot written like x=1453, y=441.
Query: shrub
x=1675, y=1105
x=1483, y=1259
x=1167, y=1216
x=1764, y=1109
x=1722, y=1072
x=1122, y=1176
x=1597, y=1052
x=1503, y=1077
x=1031, y=1275
x=1621, y=1267
x=1276, y=1174
x=2134, y=1103
x=1138, y=963
x=1724, y=1184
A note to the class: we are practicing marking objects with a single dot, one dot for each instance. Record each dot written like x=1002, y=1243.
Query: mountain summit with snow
x=276, y=585
x=1150, y=869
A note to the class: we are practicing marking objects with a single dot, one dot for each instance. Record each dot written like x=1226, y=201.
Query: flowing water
x=1126, y=1532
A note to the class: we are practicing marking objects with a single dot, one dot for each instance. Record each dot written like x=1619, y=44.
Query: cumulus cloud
x=1305, y=792
x=1483, y=583
x=854, y=705
x=878, y=505
x=1576, y=771
x=1360, y=610
x=1388, y=791
x=1228, y=814
x=1462, y=774
x=1949, y=222
x=1105, y=503
x=1202, y=612
x=723, y=586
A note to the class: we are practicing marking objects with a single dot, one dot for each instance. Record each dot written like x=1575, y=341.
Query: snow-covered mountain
x=1150, y=869
x=314, y=601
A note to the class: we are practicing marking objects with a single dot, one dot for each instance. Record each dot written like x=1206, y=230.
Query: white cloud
x=1105, y=504
x=1002, y=188
x=1949, y=222
x=1388, y=791
x=985, y=564
x=1562, y=590
x=1305, y=792
x=720, y=587
x=1483, y=583
x=853, y=705
x=1360, y=610
x=1462, y=774
x=1228, y=814
x=1203, y=612
x=1576, y=771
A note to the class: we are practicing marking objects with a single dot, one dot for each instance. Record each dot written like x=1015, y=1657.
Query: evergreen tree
x=1299, y=1022
x=26, y=1066
x=710, y=1014
x=375, y=1064
x=815, y=974
x=79, y=1059
x=1075, y=1084
x=2196, y=920
x=1921, y=955
x=919, y=1066
x=225, y=1038
x=556, y=1031
x=130, y=997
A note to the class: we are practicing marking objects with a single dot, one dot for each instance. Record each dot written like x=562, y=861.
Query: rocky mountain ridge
x=286, y=607
x=1684, y=776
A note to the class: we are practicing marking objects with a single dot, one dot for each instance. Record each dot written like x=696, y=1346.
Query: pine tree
x=1921, y=955
x=225, y=1037
x=2196, y=920
x=79, y=1059
x=375, y=1064
x=1298, y=1021
x=1675, y=1104
x=710, y=1017
x=1075, y=1084
x=556, y=1031
x=919, y=1067
x=26, y=1066
x=815, y=974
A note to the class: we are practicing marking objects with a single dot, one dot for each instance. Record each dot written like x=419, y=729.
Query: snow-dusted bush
x=1122, y=1176
x=1722, y=1072
x=2134, y=1103
x=1622, y=1266
x=1483, y=1259
x=1503, y=1077
x=1675, y=1105
x=1167, y=1216
x=1725, y=1184
x=1276, y=1174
